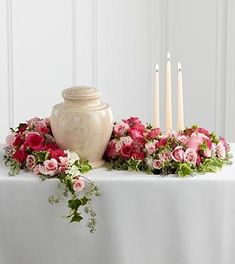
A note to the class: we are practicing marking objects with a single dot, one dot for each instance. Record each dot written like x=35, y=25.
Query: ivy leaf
x=41, y=156
x=84, y=200
x=74, y=204
x=76, y=217
x=134, y=164
x=69, y=184
x=84, y=166
x=184, y=170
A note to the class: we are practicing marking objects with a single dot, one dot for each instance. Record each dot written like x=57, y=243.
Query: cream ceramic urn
x=83, y=123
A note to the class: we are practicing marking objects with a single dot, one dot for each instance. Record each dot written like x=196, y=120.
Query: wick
x=168, y=56
x=157, y=68
x=179, y=66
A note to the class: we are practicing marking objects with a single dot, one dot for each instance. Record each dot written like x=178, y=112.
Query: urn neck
x=81, y=96
x=82, y=102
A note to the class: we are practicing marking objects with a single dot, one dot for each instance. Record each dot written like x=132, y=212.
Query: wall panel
x=42, y=47
x=4, y=69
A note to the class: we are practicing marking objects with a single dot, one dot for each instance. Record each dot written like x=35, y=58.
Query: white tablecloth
x=142, y=219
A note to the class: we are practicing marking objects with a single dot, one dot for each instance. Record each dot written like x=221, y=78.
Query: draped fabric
x=141, y=219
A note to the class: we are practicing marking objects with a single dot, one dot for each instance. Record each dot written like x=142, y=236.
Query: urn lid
x=81, y=92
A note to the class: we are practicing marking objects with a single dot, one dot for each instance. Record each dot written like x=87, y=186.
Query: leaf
x=84, y=200
x=41, y=156
x=184, y=170
x=76, y=217
x=84, y=166
x=69, y=184
x=74, y=204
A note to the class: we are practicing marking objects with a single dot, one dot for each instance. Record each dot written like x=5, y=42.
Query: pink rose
x=49, y=167
x=78, y=184
x=10, y=139
x=220, y=150
x=32, y=121
x=207, y=153
x=226, y=145
x=164, y=156
x=195, y=140
x=64, y=161
x=183, y=139
x=190, y=156
x=30, y=162
x=121, y=128
x=41, y=127
x=150, y=147
x=178, y=154
x=36, y=170
x=157, y=164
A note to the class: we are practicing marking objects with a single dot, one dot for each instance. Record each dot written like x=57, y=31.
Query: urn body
x=83, y=123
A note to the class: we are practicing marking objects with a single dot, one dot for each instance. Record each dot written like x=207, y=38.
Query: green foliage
x=83, y=166
x=214, y=138
x=185, y=170
x=212, y=164
x=11, y=163
x=41, y=156
x=134, y=164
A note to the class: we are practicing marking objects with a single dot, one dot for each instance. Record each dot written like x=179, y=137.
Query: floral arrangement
x=32, y=147
x=134, y=146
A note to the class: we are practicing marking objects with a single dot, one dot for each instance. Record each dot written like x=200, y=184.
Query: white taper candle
x=156, y=108
x=168, y=95
x=180, y=99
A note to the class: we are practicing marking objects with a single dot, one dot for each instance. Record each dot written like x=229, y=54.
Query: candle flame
x=168, y=56
x=179, y=66
x=157, y=68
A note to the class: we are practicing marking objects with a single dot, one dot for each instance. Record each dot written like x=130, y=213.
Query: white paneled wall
x=49, y=45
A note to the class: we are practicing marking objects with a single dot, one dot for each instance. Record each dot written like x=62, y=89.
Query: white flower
x=74, y=171
x=126, y=140
x=72, y=156
x=149, y=162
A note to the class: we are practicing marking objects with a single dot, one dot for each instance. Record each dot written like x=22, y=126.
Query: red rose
x=203, y=131
x=139, y=143
x=199, y=160
x=56, y=153
x=22, y=127
x=18, y=141
x=41, y=127
x=35, y=141
x=135, y=133
x=132, y=121
x=126, y=151
x=161, y=143
x=20, y=155
x=52, y=146
x=110, y=151
x=138, y=155
x=155, y=132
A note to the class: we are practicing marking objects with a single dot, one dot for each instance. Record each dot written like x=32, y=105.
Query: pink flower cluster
x=34, y=148
x=131, y=140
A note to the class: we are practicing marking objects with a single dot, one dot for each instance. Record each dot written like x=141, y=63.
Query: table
x=142, y=219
